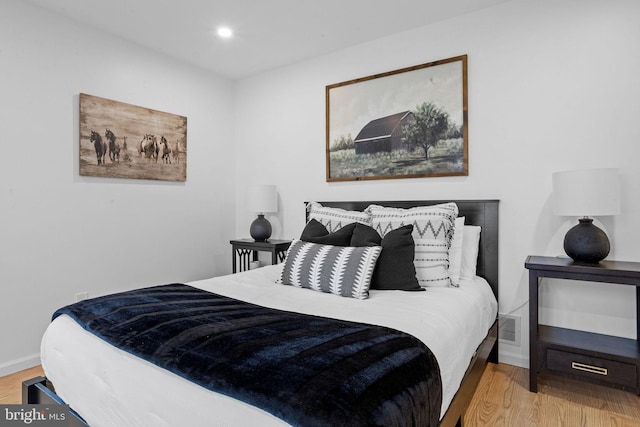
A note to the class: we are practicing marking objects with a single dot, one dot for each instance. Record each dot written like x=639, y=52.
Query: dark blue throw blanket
x=306, y=370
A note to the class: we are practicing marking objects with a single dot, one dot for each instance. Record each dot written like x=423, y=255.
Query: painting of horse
x=176, y=152
x=114, y=147
x=166, y=151
x=125, y=149
x=149, y=147
x=156, y=131
x=99, y=146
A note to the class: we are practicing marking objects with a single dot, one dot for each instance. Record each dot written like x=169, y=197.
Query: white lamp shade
x=263, y=198
x=589, y=192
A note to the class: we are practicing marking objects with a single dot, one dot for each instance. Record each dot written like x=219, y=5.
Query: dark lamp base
x=586, y=243
x=260, y=229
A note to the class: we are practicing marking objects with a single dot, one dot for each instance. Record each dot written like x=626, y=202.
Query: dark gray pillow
x=313, y=229
x=395, y=269
x=315, y=234
x=363, y=235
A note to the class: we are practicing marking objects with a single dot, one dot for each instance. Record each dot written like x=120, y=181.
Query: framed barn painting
x=407, y=123
x=119, y=140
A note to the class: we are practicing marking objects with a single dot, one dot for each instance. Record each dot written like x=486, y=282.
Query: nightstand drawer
x=593, y=368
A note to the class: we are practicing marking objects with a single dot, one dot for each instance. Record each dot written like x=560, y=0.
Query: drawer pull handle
x=589, y=368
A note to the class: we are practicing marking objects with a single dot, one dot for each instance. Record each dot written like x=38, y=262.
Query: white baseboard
x=514, y=360
x=13, y=366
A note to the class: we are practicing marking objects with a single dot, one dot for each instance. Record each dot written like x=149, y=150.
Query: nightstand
x=597, y=358
x=246, y=250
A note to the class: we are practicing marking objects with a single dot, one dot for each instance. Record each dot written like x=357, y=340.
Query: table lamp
x=586, y=193
x=262, y=199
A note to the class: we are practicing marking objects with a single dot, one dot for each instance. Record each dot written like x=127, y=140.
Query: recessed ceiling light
x=225, y=32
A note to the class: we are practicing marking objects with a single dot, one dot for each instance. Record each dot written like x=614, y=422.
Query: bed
x=109, y=386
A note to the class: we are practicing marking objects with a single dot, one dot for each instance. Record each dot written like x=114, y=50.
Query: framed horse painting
x=119, y=140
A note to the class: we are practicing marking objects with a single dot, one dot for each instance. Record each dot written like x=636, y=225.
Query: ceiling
x=267, y=33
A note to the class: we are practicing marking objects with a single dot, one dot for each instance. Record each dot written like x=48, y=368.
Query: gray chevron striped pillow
x=344, y=271
x=433, y=228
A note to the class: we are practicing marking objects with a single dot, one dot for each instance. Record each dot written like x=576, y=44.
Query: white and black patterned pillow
x=335, y=218
x=433, y=228
x=340, y=270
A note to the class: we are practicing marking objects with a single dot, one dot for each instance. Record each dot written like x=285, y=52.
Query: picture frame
x=120, y=140
x=407, y=123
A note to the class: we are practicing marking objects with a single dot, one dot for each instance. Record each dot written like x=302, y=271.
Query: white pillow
x=433, y=228
x=335, y=218
x=470, y=245
x=455, y=252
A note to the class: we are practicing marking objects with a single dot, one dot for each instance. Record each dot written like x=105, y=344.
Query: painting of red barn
x=407, y=123
x=119, y=140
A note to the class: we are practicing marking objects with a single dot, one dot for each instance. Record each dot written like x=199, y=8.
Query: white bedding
x=110, y=387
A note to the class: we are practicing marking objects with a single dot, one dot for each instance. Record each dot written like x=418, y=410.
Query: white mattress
x=110, y=387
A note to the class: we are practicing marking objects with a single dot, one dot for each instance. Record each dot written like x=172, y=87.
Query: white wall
x=552, y=86
x=62, y=234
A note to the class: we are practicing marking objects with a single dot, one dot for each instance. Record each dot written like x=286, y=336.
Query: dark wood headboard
x=476, y=212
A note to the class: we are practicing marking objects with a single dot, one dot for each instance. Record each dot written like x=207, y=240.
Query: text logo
x=34, y=415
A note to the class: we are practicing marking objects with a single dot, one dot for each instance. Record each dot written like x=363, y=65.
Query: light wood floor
x=11, y=385
x=502, y=399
